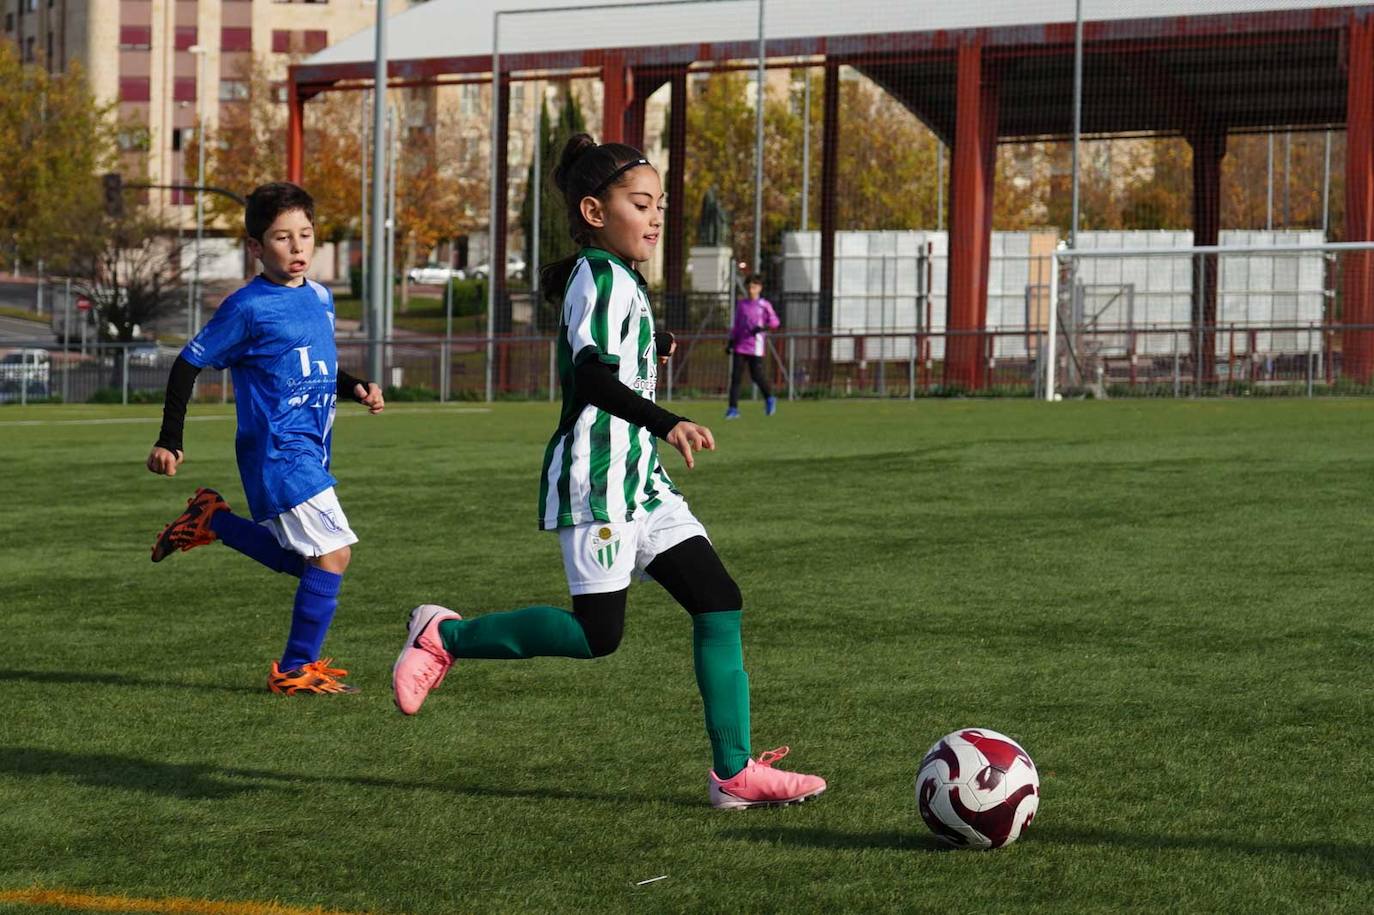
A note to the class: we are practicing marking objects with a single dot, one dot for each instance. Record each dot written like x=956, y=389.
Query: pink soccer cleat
x=424, y=661
x=758, y=784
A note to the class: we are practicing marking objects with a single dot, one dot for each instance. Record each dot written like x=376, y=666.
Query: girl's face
x=755, y=290
x=628, y=220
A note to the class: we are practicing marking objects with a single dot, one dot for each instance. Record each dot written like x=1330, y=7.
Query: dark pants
x=691, y=572
x=756, y=372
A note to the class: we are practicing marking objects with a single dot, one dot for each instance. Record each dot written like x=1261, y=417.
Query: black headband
x=634, y=163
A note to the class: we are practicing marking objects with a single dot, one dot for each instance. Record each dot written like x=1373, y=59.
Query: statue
x=713, y=225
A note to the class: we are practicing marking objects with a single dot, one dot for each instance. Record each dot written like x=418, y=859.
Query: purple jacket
x=752, y=318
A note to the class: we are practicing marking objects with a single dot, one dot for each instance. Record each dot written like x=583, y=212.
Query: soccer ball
x=977, y=789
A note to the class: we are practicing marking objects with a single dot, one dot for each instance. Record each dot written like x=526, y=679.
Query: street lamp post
x=201, y=52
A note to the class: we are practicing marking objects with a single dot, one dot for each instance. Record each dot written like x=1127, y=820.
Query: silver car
x=433, y=274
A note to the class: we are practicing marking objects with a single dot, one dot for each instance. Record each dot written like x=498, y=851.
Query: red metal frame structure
x=1200, y=77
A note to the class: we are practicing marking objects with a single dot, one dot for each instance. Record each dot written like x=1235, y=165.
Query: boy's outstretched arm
x=167, y=452
x=367, y=393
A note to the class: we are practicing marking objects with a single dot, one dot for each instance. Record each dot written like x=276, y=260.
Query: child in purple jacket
x=753, y=317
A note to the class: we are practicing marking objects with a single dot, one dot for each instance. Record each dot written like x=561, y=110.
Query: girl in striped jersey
x=602, y=489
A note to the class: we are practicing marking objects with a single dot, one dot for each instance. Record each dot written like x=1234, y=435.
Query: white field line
x=157, y=420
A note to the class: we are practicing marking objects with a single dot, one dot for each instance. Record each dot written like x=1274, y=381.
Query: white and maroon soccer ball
x=977, y=789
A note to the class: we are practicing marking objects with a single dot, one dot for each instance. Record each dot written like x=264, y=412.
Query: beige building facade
x=138, y=56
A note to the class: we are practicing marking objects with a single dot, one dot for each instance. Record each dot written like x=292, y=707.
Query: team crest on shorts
x=330, y=523
x=605, y=544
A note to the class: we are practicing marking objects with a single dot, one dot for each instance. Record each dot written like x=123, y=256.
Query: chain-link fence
x=926, y=189
x=903, y=176
x=35, y=371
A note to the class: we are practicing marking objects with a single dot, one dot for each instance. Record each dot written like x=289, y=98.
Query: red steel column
x=633, y=133
x=1208, y=150
x=614, y=98
x=988, y=137
x=640, y=87
x=969, y=224
x=675, y=240
x=497, y=263
x=295, y=132
x=1358, y=302
x=830, y=168
x=830, y=172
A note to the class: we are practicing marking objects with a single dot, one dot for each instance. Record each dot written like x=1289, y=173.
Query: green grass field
x=1167, y=603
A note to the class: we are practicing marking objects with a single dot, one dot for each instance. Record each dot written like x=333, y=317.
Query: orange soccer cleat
x=192, y=527
x=314, y=679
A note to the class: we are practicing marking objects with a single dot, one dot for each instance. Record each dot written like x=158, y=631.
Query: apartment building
x=138, y=54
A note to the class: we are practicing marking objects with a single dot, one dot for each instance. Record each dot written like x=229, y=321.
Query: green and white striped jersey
x=599, y=467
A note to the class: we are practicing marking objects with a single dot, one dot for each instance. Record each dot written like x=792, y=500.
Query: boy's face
x=755, y=290
x=286, y=248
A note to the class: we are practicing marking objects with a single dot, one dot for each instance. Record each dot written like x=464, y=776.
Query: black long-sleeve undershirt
x=598, y=384
x=181, y=381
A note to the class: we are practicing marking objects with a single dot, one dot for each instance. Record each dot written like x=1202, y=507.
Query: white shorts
x=602, y=556
x=315, y=527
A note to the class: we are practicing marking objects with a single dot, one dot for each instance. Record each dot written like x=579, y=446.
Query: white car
x=515, y=266
x=433, y=274
x=149, y=355
x=30, y=364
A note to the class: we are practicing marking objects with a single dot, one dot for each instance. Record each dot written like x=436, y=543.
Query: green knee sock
x=719, y=662
x=533, y=632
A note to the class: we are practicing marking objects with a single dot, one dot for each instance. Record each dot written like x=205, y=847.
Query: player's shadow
x=188, y=781
x=1355, y=859
x=915, y=839
x=113, y=678
x=207, y=781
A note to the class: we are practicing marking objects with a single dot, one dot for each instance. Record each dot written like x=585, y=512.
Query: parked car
x=147, y=355
x=515, y=267
x=434, y=274
x=29, y=364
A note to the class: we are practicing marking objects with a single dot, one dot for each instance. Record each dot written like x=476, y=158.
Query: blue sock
x=256, y=542
x=316, y=598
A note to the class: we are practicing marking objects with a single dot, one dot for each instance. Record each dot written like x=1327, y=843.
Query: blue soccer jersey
x=278, y=341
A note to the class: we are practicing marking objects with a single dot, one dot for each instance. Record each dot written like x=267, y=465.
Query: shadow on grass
x=814, y=837
x=1356, y=860
x=207, y=781
x=110, y=678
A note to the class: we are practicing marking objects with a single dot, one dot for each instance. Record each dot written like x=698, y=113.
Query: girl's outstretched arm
x=599, y=386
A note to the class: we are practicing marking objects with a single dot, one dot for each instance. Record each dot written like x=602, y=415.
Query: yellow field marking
x=86, y=902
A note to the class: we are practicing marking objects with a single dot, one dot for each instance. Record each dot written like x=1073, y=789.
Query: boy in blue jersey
x=276, y=335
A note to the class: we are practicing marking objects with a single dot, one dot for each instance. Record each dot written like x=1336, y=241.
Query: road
x=16, y=330
x=19, y=294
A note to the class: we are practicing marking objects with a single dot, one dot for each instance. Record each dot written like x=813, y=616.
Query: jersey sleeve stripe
x=600, y=464
x=549, y=454
x=604, y=278
x=565, y=478
x=632, y=473
x=632, y=456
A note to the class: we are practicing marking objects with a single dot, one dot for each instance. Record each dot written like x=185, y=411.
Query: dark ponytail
x=584, y=170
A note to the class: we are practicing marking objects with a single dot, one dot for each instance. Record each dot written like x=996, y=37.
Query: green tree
x=554, y=240
x=1298, y=181
x=720, y=154
x=55, y=141
x=246, y=148
x=136, y=274
x=440, y=185
x=886, y=159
